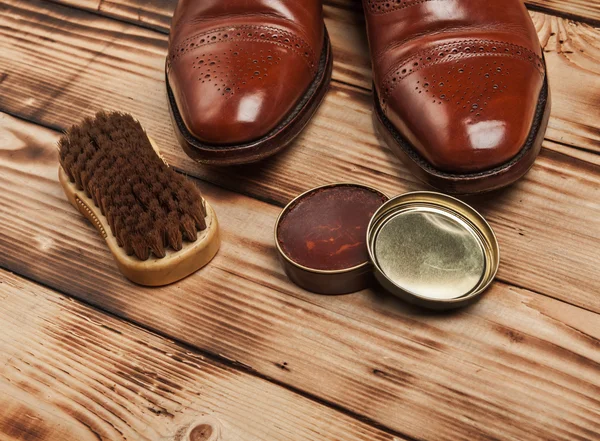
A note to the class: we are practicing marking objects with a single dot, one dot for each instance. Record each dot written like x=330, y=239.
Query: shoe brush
x=154, y=220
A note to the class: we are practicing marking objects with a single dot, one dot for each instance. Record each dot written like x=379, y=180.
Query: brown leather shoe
x=461, y=93
x=245, y=77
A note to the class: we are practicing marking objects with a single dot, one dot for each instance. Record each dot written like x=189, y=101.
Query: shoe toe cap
x=468, y=116
x=236, y=94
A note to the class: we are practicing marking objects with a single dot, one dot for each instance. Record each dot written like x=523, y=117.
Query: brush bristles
x=148, y=206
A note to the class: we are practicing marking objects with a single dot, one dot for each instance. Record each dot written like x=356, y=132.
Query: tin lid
x=432, y=250
x=425, y=247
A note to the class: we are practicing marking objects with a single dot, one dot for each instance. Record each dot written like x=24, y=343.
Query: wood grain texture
x=515, y=366
x=582, y=10
x=572, y=54
x=71, y=373
x=70, y=63
x=157, y=13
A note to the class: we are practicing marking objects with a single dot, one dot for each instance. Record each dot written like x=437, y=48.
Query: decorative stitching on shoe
x=266, y=34
x=385, y=6
x=458, y=50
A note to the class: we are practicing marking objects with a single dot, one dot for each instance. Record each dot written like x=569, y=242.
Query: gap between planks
x=545, y=343
x=136, y=11
x=360, y=78
x=70, y=372
x=124, y=11
x=571, y=52
x=516, y=337
x=593, y=159
x=524, y=216
x=587, y=11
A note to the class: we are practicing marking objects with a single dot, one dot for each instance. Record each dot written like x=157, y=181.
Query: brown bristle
x=148, y=206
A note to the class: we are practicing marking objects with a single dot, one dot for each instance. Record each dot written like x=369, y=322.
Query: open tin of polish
x=427, y=248
x=321, y=237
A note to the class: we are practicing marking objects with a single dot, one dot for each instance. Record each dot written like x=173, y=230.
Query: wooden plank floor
x=86, y=355
x=75, y=374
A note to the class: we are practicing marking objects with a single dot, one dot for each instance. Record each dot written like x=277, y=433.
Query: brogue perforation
x=452, y=52
x=248, y=33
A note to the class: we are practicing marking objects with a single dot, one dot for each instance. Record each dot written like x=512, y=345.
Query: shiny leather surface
x=237, y=67
x=459, y=79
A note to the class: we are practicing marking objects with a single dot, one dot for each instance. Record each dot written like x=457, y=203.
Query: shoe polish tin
x=425, y=247
x=321, y=238
x=432, y=250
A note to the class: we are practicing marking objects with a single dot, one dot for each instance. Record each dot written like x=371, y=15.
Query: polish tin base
x=321, y=238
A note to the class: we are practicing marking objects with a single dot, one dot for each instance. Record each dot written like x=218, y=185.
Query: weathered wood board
x=571, y=50
x=572, y=53
x=157, y=13
x=465, y=375
x=70, y=63
x=72, y=373
x=268, y=359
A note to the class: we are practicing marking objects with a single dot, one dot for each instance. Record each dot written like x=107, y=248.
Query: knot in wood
x=202, y=432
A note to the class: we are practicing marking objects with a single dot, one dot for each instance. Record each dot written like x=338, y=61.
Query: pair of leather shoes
x=460, y=86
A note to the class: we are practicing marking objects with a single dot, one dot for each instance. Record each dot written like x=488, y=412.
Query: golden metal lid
x=432, y=250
